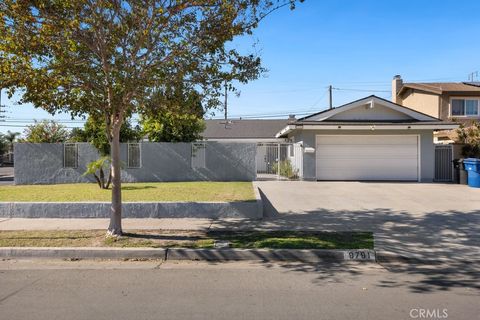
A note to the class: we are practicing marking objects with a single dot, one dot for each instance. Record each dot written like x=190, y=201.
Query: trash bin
x=456, y=170
x=463, y=173
x=472, y=165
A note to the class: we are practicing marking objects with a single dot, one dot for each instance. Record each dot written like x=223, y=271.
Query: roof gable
x=371, y=108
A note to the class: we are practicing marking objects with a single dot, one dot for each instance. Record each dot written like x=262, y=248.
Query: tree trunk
x=115, y=227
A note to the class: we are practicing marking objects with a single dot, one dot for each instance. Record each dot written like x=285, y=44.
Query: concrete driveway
x=414, y=219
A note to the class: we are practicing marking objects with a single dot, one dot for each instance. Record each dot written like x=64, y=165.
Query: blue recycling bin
x=472, y=165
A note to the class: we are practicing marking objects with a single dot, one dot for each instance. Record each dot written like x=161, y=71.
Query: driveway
x=6, y=175
x=414, y=219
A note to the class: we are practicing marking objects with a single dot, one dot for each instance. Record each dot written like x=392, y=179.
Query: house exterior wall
x=427, y=149
x=445, y=107
x=42, y=163
x=436, y=105
x=424, y=102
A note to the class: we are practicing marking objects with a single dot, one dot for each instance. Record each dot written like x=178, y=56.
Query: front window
x=70, y=155
x=134, y=159
x=464, y=107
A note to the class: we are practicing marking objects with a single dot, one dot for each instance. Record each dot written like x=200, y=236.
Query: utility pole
x=2, y=117
x=330, y=96
x=226, y=101
x=473, y=76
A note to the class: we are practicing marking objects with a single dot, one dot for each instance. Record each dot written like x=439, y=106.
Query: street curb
x=228, y=254
x=82, y=252
x=391, y=257
x=223, y=254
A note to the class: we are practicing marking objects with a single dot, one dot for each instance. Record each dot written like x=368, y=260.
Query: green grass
x=190, y=239
x=155, y=191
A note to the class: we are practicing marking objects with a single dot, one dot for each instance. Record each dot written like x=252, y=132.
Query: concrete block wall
x=42, y=163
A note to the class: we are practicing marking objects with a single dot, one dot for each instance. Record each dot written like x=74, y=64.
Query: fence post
x=278, y=162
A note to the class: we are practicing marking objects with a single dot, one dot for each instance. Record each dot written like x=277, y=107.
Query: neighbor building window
x=464, y=107
x=134, y=159
x=198, y=155
x=70, y=155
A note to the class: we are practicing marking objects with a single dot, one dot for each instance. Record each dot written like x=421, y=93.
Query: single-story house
x=367, y=139
x=245, y=130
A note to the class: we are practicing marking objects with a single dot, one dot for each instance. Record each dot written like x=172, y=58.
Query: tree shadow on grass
x=165, y=237
x=137, y=187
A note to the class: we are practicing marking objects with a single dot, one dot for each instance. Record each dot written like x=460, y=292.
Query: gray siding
x=427, y=149
x=42, y=163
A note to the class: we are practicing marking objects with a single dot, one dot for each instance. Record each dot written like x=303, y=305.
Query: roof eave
x=285, y=131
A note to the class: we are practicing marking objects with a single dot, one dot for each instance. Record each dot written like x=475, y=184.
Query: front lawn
x=190, y=239
x=134, y=192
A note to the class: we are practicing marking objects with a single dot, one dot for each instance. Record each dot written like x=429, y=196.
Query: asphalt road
x=193, y=290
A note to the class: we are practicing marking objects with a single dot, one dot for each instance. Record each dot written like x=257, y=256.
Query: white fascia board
x=285, y=130
x=381, y=127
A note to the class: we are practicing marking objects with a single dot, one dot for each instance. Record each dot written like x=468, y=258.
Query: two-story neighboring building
x=448, y=101
x=459, y=101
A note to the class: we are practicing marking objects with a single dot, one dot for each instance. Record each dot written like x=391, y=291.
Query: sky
x=355, y=46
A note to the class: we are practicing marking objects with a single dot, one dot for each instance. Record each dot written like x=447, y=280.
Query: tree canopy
x=46, y=132
x=94, y=131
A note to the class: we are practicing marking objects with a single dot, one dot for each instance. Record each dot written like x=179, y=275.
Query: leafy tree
x=94, y=132
x=110, y=58
x=3, y=146
x=469, y=135
x=177, y=118
x=10, y=137
x=173, y=127
x=46, y=131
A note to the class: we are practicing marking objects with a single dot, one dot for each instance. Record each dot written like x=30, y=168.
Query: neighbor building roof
x=243, y=129
x=442, y=87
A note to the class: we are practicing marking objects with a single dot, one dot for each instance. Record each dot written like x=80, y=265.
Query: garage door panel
x=379, y=157
x=376, y=151
x=365, y=140
x=400, y=175
x=371, y=163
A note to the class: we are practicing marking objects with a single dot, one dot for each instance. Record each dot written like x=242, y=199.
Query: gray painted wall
x=427, y=148
x=42, y=163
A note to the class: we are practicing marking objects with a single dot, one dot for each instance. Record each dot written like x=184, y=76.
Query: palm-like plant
x=10, y=137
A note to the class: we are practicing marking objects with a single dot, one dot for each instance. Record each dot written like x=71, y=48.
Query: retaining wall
x=240, y=209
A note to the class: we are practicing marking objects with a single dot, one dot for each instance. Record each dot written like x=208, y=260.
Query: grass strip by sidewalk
x=134, y=192
x=190, y=239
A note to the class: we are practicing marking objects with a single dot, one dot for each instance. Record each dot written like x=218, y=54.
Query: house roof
x=327, y=114
x=442, y=87
x=369, y=112
x=243, y=129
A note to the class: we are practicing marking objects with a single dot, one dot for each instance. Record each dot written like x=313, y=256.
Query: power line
x=360, y=90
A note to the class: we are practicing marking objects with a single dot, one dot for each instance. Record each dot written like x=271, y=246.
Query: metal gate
x=443, y=163
x=280, y=161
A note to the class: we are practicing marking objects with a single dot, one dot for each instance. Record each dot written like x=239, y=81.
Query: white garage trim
x=347, y=164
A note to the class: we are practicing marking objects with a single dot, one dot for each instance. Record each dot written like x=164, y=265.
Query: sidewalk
x=100, y=224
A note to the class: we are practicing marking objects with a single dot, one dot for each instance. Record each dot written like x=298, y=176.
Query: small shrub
x=286, y=169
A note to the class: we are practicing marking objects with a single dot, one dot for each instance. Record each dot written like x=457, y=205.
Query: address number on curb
x=359, y=255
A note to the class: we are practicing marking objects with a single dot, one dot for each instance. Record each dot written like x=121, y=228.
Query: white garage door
x=374, y=157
